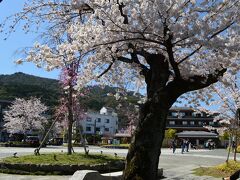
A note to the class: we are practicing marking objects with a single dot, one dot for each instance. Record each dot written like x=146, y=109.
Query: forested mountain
x=23, y=86
x=26, y=79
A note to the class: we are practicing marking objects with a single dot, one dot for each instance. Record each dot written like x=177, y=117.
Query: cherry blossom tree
x=25, y=116
x=170, y=47
x=225, y=97
x=71, y=103
x=70, y=110
x=70, y=63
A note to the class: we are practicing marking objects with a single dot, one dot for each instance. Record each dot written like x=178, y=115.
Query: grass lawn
x=63, y=159
x=221, y=170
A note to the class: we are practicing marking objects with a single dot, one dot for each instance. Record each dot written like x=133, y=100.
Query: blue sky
x=15, y=42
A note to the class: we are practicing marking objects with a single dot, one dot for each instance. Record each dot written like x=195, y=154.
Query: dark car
x=55, y=141
x=33, y=141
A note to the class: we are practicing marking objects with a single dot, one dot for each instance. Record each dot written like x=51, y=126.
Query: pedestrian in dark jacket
x=174, y=145
x=187, y=145
x=183, y=145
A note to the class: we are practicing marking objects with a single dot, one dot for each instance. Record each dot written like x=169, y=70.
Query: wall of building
x=183, y=119
x=105, y=124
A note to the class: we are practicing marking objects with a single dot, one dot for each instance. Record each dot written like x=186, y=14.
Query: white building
x=104, y=123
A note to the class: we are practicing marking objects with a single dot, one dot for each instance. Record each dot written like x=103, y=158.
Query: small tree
x=225, y=98
x=25, y=116
x=73, y=108
x=71, y=71
x=170, y=133
x=225, y=136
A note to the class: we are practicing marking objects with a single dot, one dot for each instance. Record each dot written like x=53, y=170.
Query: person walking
x=183, y=145
x=187, y=145
x=174, y=145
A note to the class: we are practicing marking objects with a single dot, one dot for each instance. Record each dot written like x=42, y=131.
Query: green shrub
x=238, y=149
x=221, y=170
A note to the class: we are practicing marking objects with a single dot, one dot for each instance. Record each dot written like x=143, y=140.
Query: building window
x=192, y=122
x=184, y=123
x=88, y=128
x=181, y=115
x=188, y=114
x=97, y=129
x=174, y=114
x=99, y=120
x=199, y=115
x=106, y=129
x=107, y=120
x=171, y=122
x=89, y=119
x=200, y=123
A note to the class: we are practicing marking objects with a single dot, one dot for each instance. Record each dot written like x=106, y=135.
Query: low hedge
x=60, y=164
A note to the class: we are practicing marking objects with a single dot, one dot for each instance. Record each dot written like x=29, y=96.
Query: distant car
x=33, y=141
x=55, y=141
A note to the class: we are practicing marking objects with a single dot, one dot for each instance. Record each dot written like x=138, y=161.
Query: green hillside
x=20, y=85
x=97, y=97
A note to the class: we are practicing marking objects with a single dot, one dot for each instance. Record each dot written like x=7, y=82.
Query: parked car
x=32, y=141
x=55, y=141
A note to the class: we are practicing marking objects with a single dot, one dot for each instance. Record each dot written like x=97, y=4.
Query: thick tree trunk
x=145, y=149
x=144, y=152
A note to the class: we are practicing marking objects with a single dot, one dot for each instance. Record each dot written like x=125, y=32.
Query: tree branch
x=121, y=6
x=209, y=38
x=220, y=30
x=192, y=53
x=198, y=82
x=169, y=46
x=178, y=87
x=125, y=60
x=134, y=59
x=130, y=39
x=106, y=70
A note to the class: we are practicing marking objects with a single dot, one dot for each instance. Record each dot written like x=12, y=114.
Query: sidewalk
x=26, y=177
x=175, y=166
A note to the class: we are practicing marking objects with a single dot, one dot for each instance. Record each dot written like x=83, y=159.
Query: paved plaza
x=175, y=166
